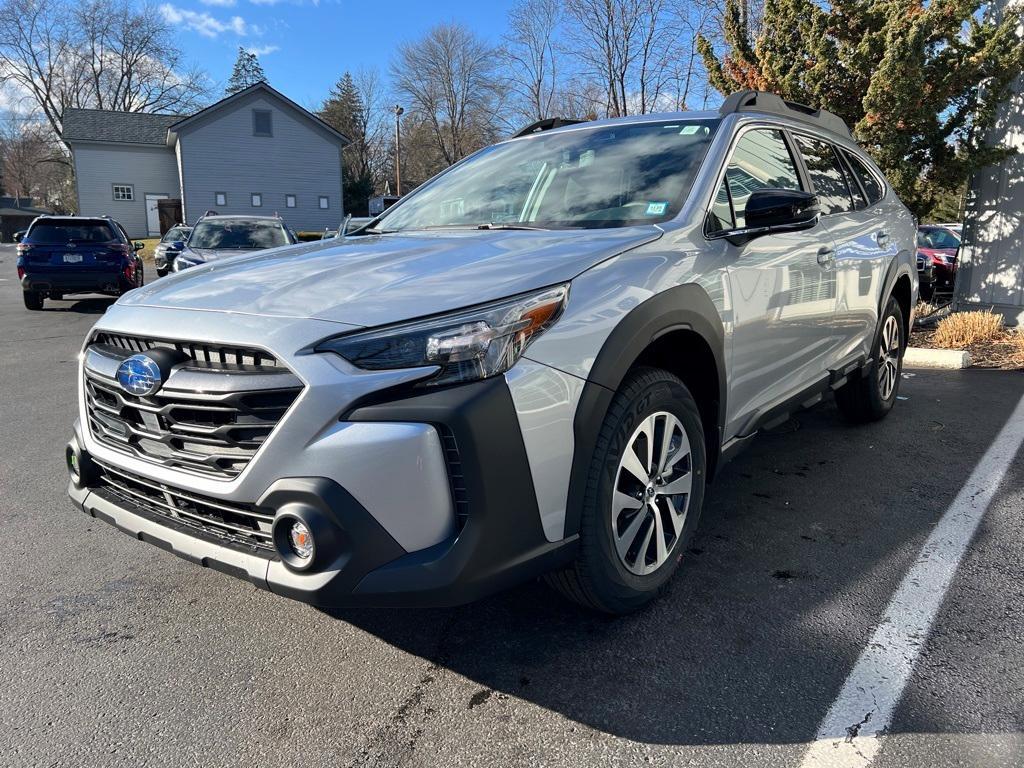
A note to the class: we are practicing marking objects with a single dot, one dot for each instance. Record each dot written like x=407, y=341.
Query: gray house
x=254, y=152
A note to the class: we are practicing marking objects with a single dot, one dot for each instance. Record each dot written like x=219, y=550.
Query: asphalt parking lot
x=113, y=652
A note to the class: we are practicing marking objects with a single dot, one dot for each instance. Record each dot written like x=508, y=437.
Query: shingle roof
x=120, y=127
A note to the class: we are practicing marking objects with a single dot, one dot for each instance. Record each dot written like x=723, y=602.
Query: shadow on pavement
x=803, y=540
x=90, y=306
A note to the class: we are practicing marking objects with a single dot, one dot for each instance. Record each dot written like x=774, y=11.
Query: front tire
x=33, y=300
x=871, y=397
x=643, y=498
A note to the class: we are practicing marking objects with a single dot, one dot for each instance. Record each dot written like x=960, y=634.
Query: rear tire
x=33, y=300
x=652, y=424
x=871, y=397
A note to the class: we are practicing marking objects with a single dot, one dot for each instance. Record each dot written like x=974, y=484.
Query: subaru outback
x=532, y=365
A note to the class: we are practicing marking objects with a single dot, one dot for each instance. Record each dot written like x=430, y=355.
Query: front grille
x=211, y=415
x=228, y=522
x=207, y=354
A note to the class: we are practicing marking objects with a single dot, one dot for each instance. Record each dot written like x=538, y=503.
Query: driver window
x=761, y=160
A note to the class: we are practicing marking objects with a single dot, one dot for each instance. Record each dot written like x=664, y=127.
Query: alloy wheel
x=888, y=357
x=652, y=493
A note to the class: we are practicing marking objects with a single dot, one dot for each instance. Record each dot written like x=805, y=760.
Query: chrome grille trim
x=209, y=417
x=236, y=523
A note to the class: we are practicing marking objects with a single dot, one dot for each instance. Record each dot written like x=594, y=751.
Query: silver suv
x=534, y=364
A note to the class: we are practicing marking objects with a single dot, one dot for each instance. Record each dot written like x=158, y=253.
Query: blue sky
x=305, y=45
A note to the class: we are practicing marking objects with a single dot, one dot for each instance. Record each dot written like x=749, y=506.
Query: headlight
x=183, y=261
x=463, y=346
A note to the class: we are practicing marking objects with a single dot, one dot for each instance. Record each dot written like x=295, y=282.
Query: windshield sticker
x=656, y=209
x=689, y=130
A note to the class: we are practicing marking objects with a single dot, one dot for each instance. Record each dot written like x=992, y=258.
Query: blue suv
x=60, y=255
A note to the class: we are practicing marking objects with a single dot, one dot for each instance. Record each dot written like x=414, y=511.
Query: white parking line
x=849, y=735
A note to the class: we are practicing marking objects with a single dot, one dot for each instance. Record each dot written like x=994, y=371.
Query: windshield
x=239, y=234
x=174, y=234
x=56, y=233
x=937, y=238
x=612, y=176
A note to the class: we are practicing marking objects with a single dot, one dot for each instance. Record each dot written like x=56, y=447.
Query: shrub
x=962, y=329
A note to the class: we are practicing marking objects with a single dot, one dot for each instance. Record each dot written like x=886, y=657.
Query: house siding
x=221, y=154
x=149, y=169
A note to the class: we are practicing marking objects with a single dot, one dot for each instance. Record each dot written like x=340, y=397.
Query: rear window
x=60, y=232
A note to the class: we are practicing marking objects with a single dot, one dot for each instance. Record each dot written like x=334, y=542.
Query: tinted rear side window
x=826, y=174
x=868, y=180
x=57, y=232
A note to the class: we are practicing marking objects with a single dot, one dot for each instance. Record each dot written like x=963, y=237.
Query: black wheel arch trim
x=684, y=307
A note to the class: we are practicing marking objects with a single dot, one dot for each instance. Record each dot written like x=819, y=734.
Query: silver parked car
x=215, y=237
x=172, y=243
x=533, y=364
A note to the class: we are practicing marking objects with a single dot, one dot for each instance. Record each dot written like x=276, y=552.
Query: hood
x=215, y=254
x=373, y=280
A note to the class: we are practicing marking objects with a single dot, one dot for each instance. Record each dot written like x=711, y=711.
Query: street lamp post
x=398, y=150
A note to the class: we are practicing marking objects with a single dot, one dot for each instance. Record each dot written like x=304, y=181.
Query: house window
x=257, y=200
x=220, y=198
x=261, y=123
x=124, y=192
x=325, y=202
x=289, y=201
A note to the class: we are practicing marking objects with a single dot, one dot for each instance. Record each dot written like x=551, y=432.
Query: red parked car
x=937, y=246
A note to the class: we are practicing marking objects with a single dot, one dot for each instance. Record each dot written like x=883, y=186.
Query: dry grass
x=963, y=329
x=1016, y=339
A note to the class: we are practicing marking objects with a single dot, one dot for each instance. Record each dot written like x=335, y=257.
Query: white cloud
x=219, y=3
x=203, y=23
x=263, y=50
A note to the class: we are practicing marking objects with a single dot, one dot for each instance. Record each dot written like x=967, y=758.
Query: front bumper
x=497, y=540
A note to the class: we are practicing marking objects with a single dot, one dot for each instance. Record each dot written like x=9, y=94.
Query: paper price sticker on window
x=656, y=209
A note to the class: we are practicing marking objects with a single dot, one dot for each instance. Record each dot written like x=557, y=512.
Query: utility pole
x=398, y=150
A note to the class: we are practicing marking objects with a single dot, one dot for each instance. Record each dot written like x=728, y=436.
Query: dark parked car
x=61, y=255
x=938, y=246
x=170, y=245
x=216, y=237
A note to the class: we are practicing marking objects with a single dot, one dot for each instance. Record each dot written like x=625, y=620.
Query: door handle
x=826, y=256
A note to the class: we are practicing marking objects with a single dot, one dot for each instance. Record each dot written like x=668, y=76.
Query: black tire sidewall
x=879, y=405
x=616, y=586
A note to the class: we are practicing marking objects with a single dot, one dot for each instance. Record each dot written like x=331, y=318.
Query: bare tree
x=448, y=80
x=101, y=53
x=531, y=59
x=630, y=47
x=34, y=164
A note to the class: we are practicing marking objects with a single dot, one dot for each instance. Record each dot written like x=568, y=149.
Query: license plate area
x=72, y=258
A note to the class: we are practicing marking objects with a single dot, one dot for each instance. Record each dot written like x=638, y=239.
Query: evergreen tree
x=247, y=72
x=345, y=111
x=918, y=82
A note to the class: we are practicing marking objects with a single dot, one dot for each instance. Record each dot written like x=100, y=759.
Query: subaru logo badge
x=139, y=375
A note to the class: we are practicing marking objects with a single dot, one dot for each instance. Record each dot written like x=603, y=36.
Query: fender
x=897, y=268
x=682, y=307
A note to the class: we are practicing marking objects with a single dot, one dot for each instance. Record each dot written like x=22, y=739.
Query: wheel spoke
x=623, y=542
x=660, y=553
x=631, y=463
x=647, y=429
x=666, y=442
x=681, y=484
x=641, y=556
x=622, y=502
x=678, y=518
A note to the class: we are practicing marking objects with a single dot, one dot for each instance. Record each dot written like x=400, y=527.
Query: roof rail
x=546, y=125
x=773, y=104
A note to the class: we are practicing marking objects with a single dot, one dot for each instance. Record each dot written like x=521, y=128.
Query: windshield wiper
x=511, y=226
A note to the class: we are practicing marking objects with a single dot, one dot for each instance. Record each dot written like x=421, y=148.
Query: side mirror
x=177, y=245
x=138, y=246
x=779, y=210
x=18, y=236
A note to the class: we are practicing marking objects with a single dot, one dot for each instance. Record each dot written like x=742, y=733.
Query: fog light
x=74, y=467
x=301, y=540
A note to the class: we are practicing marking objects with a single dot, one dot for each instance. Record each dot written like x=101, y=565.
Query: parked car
x=533, y=364
x=63, y=255
x=925, y=276
x=216, y=237
x=939, y=246
x=169, y=246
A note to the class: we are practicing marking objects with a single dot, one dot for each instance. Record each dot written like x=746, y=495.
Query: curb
x=919, y=357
